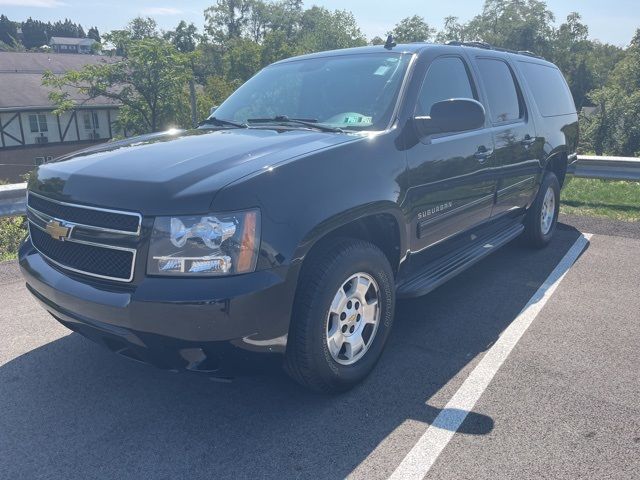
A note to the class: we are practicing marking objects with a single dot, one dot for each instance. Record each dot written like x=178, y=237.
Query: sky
x=612, y=21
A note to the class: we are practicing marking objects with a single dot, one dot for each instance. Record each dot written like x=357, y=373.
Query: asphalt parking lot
x=564, y=403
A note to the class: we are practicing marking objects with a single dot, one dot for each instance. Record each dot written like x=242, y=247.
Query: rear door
x=450, y=175
x=517, y=148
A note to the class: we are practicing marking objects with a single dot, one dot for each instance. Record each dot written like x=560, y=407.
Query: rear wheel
x=342, y=315
x=542, y=217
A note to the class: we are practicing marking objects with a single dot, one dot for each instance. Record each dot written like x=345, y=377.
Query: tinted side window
x=446, y=78
x=502, y=92
x=550, y=91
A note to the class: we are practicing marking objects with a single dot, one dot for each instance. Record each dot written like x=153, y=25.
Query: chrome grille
x=112, y=220
x=88, y=240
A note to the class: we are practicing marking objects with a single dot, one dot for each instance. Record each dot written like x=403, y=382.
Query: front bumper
x=220, y=326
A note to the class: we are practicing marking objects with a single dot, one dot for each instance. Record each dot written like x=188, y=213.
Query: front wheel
x=342, y=315
x=542, y=217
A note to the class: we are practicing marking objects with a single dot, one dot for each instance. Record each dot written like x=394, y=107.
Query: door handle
x=483, y=153
x=528, y=140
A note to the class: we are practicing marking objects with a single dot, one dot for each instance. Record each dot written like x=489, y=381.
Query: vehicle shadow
x=72, y=410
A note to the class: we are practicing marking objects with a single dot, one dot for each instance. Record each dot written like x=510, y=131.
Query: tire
x=539, y=227
x=313, y=357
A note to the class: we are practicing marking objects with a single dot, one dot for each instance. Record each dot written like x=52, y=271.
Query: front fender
x=306, y=198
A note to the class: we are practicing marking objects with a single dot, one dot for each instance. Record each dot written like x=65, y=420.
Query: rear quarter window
x=550, y=91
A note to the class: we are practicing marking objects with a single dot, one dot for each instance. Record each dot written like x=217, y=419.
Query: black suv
x=284, y=228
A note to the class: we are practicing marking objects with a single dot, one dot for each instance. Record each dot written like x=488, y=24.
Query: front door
x=451, y=185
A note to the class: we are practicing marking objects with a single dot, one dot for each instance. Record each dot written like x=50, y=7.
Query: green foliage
x=514, y=24
x=12, y=231
x=615, y=126
x=146, y=83
x=218, y=89
x=34, y=33
x=160, y=74
x=322, y=29
x=8, y=32
x=412, y=29
x=241, y=60
x=94, y=33
x=228, y=19
x=184, y=37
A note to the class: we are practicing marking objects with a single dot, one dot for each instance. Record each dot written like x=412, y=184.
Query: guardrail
x=609, y=168
x=13, y=197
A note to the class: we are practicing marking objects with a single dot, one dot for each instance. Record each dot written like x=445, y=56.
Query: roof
x=417, y=47
x=21, y=78
x=71, y=41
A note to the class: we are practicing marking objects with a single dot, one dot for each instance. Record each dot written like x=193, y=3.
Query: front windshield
x=356, y=92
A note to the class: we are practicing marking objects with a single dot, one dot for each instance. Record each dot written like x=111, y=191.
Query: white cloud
x=34, y=3
x=159, y=11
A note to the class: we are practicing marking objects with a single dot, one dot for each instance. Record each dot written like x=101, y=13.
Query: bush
x=12, y=231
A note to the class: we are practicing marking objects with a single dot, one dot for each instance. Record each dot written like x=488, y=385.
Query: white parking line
x=423, y=455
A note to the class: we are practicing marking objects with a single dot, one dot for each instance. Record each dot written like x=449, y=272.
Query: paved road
x=565, y=404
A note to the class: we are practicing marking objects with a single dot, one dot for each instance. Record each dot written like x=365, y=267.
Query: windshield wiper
x=307, y=122
x=222, y=123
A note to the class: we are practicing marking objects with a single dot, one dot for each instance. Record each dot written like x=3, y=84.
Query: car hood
x=173, y=172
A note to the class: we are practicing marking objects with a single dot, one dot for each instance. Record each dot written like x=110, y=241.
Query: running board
x=444, y=268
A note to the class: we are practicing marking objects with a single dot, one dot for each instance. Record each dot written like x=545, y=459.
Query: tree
x=228, y=19
x=412, y=29
x=218, y=89
x=285, y=16
x=571, y=48
x=184, y=37
x=322, y=29
x=34, y=34
x=453, y=31
x=8, y=32
x=65, y=29
x=147, y=83
x=94, y=33
x=514, y=24
x=242, y=60
x=615, y=126
x=141, y=27
x=276, y=47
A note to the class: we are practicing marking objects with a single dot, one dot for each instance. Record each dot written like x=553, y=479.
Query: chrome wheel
x=353, y=319
x=548, y=211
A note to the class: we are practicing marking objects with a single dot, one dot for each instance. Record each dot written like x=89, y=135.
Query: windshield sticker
x=382, y=70
x=356, y=119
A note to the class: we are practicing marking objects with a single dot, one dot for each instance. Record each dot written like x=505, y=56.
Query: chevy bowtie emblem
x=57, y=230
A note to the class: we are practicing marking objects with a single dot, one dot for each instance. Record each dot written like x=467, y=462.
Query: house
x=71, y=45
x=30, y=133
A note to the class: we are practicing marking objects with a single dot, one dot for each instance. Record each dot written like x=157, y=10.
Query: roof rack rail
x=488, y=46
x=469, y=44
x=529, y=54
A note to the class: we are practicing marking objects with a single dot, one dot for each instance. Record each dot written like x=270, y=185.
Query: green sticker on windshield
x=357, y=119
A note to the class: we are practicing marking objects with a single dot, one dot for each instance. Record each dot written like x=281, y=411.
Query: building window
x=38, y=123
x=49, y=158
x=91, y=120
x=38, y=161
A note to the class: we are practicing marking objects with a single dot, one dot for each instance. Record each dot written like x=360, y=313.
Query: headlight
x=225, y=244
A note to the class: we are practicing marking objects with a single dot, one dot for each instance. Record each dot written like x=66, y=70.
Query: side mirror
x=451, y=116
x=213, y=109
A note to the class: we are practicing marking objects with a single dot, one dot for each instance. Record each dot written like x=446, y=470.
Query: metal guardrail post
x=13, y=199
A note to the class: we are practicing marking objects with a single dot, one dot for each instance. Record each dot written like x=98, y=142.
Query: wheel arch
x=557, y=163
x=381, y=224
